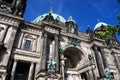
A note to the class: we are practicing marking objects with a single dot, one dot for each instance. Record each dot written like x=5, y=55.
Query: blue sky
x=84, y=12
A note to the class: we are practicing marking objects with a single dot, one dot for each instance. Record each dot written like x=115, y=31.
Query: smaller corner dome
x=41, y=17
x=99, y=24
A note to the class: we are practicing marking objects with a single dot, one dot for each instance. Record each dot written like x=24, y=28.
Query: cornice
x=8, y=19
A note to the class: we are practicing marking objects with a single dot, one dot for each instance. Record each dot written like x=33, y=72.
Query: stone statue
x=51, y=65
x=18, y=3
x=20, y=6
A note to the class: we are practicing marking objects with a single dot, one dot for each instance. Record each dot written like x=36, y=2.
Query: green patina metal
x=107, y=73
x=51, y=66
x=72, y=30
x=70, y=19
x=74, y=41
x=90, y=56
x=63, y=48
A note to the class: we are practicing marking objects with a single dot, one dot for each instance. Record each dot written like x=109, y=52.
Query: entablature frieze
x=74, y=36
x=32, y=32
x=51, y=25
x=115, y=51
x=9, y=19
x=81, y=69
x=26, y=58
x=51, y=30
x=26, y=53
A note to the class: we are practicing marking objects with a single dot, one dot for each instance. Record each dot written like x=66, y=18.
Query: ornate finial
x=51, y=11
x=70, y=18
x=98, y=20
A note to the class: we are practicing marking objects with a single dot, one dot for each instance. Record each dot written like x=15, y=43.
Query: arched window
x=73, y=56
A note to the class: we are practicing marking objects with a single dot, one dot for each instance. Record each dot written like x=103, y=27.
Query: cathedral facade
x=52, y=48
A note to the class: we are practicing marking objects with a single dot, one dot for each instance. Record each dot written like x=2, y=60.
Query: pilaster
x=105, y=63
x=13, y=69
x=117, y=62
x=56, y=56
x=99, y=62
x=30, y=76
x=20, y=40
x=44, y=56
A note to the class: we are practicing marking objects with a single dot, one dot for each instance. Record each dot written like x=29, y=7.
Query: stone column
x=44, y=56
x=99, y=62
x=53, y=50
x=30, y=76
x=91, y=74
x=105, y=63
x=34, y=45
x=56, y=53
x=8, y=34
x=117, y=61
x=63, y=66
x=87, y=75
x=13, y=69
x=41, y=52
x=70, y=77
x=20, y=40
x=13, y=3
x=36, y=70
x=38, y=44
x=23, y=42
x=3, y=32
x=80, y=77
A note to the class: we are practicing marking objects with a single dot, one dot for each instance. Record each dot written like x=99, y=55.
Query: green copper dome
x=55, y=16
x=99, y=24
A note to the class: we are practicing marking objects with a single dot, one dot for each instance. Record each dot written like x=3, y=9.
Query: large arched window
x=73, y=56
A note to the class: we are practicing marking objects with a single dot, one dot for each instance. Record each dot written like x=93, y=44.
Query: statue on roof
x=51, y=11
x=20, y=6
x=72, y=30
x=71, y=19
